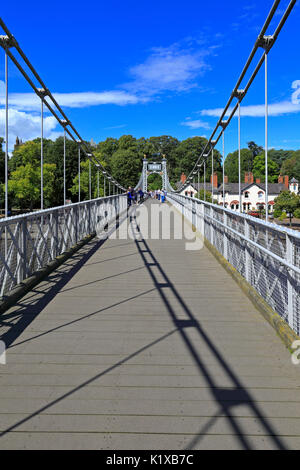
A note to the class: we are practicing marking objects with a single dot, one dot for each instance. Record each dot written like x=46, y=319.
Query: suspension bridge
x=149, y=327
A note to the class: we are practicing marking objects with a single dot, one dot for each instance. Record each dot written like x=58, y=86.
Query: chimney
x=258, y=180
x=280, y=179
x=226, y=179
x=214, y=177
x=286, y=181
x=249, y=177
x=183, y=178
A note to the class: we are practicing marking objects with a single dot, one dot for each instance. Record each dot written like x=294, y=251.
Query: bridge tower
x=154, y=167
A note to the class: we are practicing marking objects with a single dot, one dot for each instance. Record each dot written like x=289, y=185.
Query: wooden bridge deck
x=140, y=344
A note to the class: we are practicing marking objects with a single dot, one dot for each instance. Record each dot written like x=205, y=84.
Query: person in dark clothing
x=129, y=197
x=141, y=195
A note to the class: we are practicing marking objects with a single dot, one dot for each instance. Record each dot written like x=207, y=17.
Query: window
x=247, y=194
x=260, y=195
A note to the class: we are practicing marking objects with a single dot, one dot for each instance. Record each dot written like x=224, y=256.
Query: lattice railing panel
x=29, y=242
x=266, y=255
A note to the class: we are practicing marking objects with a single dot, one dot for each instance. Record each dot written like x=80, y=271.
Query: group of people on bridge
x=137, y=197
x=159, y=194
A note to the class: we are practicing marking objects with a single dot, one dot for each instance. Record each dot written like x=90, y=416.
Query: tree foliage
x=123, y=159
x=84, y=181
x=204, y=195
x=259, y=167
x=24, y=185
x=232, y=164
x=288, y=202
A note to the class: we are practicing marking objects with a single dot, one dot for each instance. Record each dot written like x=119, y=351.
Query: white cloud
x=275, y=109
x=27, y=126
x=31, y=102
x=174, y=68
x=169, y=69
x=195, y=124
x=120, y=126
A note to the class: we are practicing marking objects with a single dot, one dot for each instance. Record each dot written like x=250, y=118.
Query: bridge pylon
x=154, y=167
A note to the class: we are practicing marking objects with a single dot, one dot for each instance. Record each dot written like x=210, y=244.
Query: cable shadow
x=112, y=259
x=103, y=279
x=27, y=310
x=89, y=315
x=86, y=383
x=225, y=398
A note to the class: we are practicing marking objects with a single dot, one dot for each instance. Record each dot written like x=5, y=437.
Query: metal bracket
x=266, y=42
x=43, y=92
x=224, y=124
x=64, y=122
x=239, y=94
x=7, y=42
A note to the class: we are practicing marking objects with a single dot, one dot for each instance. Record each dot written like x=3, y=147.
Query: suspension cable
x=7, y=43
x=262, y=41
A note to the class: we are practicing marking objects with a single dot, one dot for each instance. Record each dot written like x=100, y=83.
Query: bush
x=277, y=213
x=297, y=213
x=283, y=216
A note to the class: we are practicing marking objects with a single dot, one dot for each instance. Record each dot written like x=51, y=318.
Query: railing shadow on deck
x=226, y=398
x=28, y=308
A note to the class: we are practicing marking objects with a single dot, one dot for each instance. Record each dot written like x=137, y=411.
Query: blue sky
x=152, y=68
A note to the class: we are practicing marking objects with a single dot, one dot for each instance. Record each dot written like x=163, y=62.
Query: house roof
x=293, y=180
x=233, y=188
x=199, y=186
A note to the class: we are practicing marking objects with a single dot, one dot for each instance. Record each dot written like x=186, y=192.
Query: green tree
x=291, y=166
x=255, y=150
x=166, y=145
x=2, y=162
x=288, y=202
x=259, y=169
x=154, y=182
x=280, y=156
x=24, y=185
x=55, y=155
x=187, y=153
x=232, y=164
x=2, y=173
x=126, y=166
x=84, y=181
x=106, y=149
x=204, y=195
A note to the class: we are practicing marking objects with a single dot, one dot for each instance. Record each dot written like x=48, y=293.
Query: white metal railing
x=265, y=254
x=28, y=242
